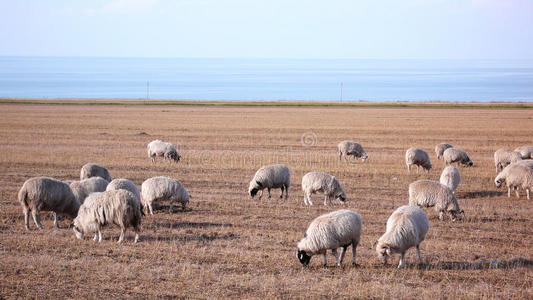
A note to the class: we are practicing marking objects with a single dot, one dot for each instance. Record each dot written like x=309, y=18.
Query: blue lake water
x=267, y=79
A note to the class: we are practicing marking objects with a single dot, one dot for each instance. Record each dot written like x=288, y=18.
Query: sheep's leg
x=153, y=159
x=26, y=211
x=340, y=156
x=441, y=216
x=95, y=236
x=326, y=200
x=56, y=220
x=260, y=194
x=286, y=192
x=420, y=262
x=150, y=208
x=527, y=192
x=171, y=208
x=334, y=251
x=281, y=194
x=508, y=192
x=343, y=252
x=36, y=218
x=417, y=169
x=402, y=261
x=408, y=168
x=137, y=231
x=354, y=253
x=516, y=191
x=325, y=259
x=309, y=199
x=121, y=237
x=268, y=193
x=99, y=235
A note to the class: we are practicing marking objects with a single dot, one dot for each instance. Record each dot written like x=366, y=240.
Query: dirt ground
x=227, y=245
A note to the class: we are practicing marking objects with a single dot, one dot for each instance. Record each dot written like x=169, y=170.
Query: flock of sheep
x=97, y=200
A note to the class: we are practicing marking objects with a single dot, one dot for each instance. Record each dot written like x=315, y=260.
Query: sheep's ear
x=259, y=183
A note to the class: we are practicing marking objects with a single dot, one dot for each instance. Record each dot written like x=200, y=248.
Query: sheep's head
x=499, y=181
x=364, y=156
x=341, y=196
x=384, y=251
x=77, y=231
x=427, y=166
x=303, y=257
x=457, y=214
x=255, y=186
x=173, y=155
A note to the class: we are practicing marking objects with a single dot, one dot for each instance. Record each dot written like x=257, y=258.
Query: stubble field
x=226, y=245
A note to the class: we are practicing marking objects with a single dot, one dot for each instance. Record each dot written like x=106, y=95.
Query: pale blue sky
x=388, y=29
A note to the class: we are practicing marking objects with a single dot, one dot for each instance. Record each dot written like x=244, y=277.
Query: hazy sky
x=269, y=28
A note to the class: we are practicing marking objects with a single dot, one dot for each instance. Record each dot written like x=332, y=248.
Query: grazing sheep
x=119, y=207
x=340, y=228
x=450, y=177
x=418, y=157
x=516, y=176
x=94, y=170
x=47, y=194
x=429, y=193
x=439, y=149
x=347, y=148
x=504, y=157
x=454, y=155
x=163, y=188
x=320, y=182
x=270, y=177
x=406, y=227
x=162, y=149
x=128, y=185
x=525, y=151
x=83, y=188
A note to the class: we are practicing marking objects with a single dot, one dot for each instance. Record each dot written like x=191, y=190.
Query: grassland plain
x=226, y=245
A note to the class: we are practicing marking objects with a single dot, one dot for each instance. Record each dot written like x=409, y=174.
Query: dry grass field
x=226, y=245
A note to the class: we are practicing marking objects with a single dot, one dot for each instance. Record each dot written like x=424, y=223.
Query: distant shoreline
x=278, y=103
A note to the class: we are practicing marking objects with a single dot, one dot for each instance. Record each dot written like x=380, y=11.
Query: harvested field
x=226, y=245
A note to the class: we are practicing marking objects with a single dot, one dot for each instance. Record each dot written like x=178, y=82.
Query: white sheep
x=418, y=157
x=347, y=148
x=455, y=155
x=118, y=207
x=340, y=228
x=162, y=149
x=83, y=188
x=270, y=177
x=47, y=194
x=161, y=188
x=525, y=151
x=439, y=149
x=429, y=193
x=516, y=176
x=324, y=183
x=504, y=157
x=406, y=228
x=93, y=170
x=450, y=177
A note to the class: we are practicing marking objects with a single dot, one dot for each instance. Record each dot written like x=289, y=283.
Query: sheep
x=515, y=176
x=439, y=149
x=94, y=170
x=450, y=177
x=504, y=157
x=429, y=193
x=163, y=149
x=83, y=188
x=454, y=155
x=320, y=182
x=347, y=148
x=47, y=194
x=406, y=227
x=100, y=209
x=163, y=188
x=418, y=157
x=270, y=177
x=128, y=185
x=525, y=151
x=340, y=228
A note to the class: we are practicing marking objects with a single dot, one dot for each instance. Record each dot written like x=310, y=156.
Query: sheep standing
x=347, y=148
x=454, y=155
x=119, y=207
x=429, y=193
x=450, y=177
x=161, y=188
x=46, y=194
x=418, y=157
x=320, y=182
x=340, y=228
x=406, y=227
x=162, y=149
x=94, y=170
x=270, y=177
x=439, y=149
x=516, y=176
x=504, y=157
x=525, y=151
